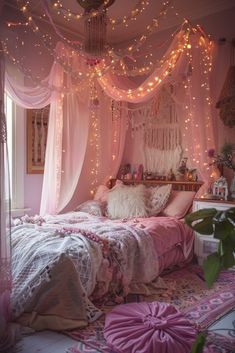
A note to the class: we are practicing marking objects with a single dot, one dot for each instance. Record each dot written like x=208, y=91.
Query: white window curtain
x=8, y=331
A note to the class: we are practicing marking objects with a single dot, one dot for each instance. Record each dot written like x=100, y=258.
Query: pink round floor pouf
x=148, y=328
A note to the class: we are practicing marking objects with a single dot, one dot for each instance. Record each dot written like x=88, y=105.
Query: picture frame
x=37, y=127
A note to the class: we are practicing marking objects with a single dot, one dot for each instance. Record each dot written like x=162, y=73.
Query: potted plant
x=220, y=225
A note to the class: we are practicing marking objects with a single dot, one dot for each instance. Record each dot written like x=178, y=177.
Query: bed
x=63, y=265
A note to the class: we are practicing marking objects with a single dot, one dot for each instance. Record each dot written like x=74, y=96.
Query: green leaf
x=222, y=229
x=228, y=260
x=199, y=343
x=202, y=220
x=230, y=213
x=228, y=244
x=211, y=266
x=204, y=227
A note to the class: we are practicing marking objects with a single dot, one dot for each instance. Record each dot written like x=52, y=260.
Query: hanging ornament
x=95, y=25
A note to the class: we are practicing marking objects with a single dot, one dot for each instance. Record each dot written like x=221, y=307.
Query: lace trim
x=3, y=126
x=5, y=275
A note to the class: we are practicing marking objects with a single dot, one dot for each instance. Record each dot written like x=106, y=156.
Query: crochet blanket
x=62, y=263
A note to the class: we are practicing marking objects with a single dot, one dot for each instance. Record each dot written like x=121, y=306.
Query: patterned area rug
x=186, y=290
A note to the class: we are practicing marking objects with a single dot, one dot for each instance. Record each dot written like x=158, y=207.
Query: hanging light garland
x=77, y=45
x=94, y=138
x=68, y=15
x=99, y=69
x=108, y=61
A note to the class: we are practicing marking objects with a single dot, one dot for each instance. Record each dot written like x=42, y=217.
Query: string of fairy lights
x=94, y=137
x=68, y=15
x=112, y=56
x=205, y=62
x=118, y=62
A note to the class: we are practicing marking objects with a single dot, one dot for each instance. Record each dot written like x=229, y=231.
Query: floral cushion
x=158, y=197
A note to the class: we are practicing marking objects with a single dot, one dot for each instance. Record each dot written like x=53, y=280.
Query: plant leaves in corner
x=202, y=220
x=199, y=343
x=212, y=266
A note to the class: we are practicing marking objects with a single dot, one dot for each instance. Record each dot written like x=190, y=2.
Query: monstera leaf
x=220, y=225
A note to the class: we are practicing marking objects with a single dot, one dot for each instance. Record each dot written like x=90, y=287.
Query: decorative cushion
x=158, y=198
x=179, y=204
x=148, y=328
x=127, y=202
x=93, y=207
x=101, y=193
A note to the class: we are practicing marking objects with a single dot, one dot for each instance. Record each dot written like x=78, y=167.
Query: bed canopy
x=89, y=100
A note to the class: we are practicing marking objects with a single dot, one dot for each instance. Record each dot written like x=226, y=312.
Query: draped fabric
x=69, y=127
x=87, y=122
x=7, y=331
x=186, y=68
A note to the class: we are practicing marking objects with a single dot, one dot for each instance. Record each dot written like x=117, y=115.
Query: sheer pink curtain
x=186, y=68
x=68, y=150
x=69, y=130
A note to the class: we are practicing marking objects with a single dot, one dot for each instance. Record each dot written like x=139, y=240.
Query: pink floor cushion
x=148, y=328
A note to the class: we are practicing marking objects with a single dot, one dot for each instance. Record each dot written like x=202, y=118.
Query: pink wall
x=32, y=192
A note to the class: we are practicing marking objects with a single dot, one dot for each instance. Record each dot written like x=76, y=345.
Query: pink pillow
x=148, y=328
x=101, y=193
x=179, y=204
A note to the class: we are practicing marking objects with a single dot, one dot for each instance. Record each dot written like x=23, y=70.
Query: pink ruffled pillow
x=148, y=328
x=179, y=203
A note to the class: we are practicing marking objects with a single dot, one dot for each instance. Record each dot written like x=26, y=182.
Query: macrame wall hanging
x=161, y=134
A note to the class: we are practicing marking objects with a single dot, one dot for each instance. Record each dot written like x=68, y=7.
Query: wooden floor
x=52, y=342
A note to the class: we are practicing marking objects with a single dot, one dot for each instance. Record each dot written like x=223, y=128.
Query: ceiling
x=191, y=10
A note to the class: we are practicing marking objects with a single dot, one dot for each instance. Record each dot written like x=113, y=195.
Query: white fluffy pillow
x=127, y=202
x=158, y=198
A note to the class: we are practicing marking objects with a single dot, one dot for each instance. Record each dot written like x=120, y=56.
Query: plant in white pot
x=220, y=225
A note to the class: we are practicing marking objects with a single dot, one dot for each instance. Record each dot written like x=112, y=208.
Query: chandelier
x=95, y=27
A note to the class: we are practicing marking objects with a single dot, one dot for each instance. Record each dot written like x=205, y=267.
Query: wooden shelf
x=176, y=185
x=202, y=199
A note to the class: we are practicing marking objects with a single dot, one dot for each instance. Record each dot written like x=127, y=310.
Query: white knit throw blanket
x=37, y=249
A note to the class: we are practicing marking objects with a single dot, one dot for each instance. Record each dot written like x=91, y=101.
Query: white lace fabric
x=37, y=253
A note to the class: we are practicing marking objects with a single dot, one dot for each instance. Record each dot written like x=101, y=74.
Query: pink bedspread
x=173, y=239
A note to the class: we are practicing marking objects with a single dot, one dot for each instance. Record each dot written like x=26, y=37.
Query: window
x=15, y=117
x=8, y=111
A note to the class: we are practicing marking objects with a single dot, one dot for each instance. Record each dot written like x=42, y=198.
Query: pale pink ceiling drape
x=185, y=67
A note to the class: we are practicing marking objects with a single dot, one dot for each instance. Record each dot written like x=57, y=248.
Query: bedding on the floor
x=62, y=264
